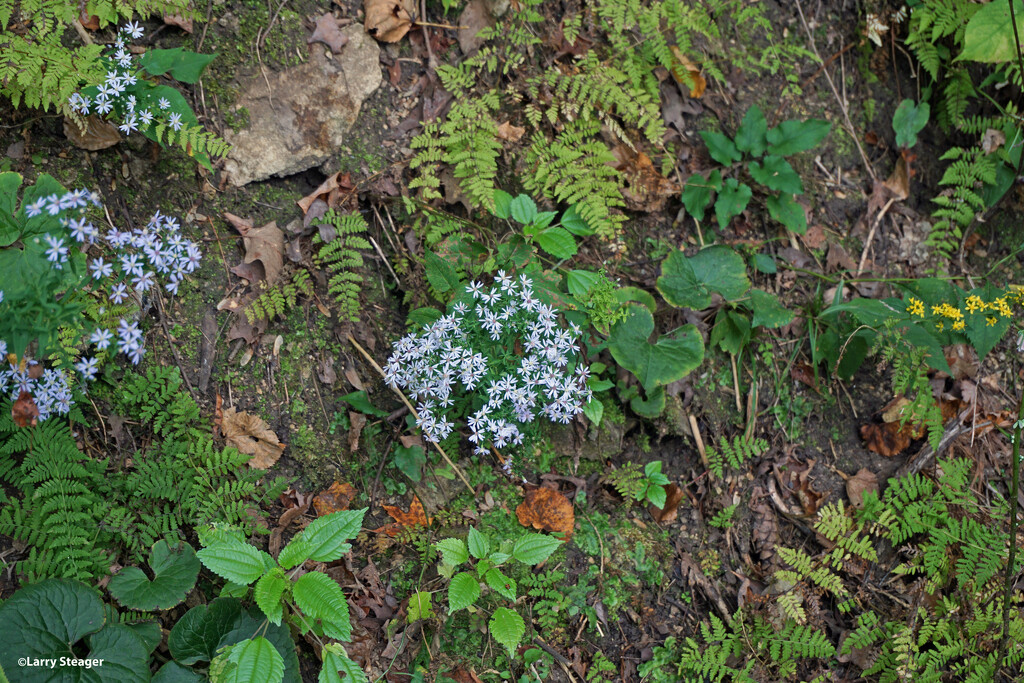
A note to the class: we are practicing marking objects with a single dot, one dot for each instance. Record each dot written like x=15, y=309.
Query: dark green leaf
x=689, y=282
x=557, y=242
x=441, y=274
x=721, y=148
x=765, y=264
x=789, y=212
x=908, y=121
x=197, y=635
x=579, y=282
x=501, y=584
x=768, y=312
x=174, y=574
x=575, y=224
x=361, y=402
x=657, y=496
x=463, y=591
x=172, y=672
x=731, y=331
x=776, y=174
x=731, y=201
x=750, y=138
x=523, y=209
x=989, y=34
x=698, y=191
x=183, y=65
x=479, y=546
x=534, y=548
x=502, y=204
x=790, y=137
x=410, y=461
x=672, y=357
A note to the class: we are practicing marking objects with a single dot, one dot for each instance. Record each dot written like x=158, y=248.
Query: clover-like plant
x=762, y=151
x=485, y=572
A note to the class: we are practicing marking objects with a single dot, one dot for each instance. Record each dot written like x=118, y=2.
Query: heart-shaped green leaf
x=775, y=173
x=731, y=201
x=688, y=282
x=174, y=573
x=672, y=357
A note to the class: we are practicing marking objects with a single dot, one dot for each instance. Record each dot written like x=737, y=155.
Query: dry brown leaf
x=416, y=516
x=688, y=73
x=856, y=486
x=98, y=134
x=887, y=439
x=506, y=131
x=218, y=415
x=291, y=514
x=962, y=360
x=645, y=189
x=899, y=182
x=338, y=496
x=328, y=33
x=814, y=238
x=669, y=513
x=353, y=378
x=90, y=22
x=24, y=411
x=460, y=675
x=475, y=17
x=358, y=421
x=992, y=140
x=253, y=436
x=389, y=20
x=266, y=246
x=182, y=22
x=549, y=510
x=242, y=225
x=330, y=192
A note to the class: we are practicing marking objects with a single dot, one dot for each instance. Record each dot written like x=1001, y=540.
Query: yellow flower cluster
x=974, y=304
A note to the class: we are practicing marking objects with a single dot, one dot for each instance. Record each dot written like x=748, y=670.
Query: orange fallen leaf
x=24, y=411
x=416, y=516
x=688, y=73
x=506, y=131
x=669, y=513
x=889, y=438
x=549, y=510
x=388, y=20
x=337, y=497
x=253, y=436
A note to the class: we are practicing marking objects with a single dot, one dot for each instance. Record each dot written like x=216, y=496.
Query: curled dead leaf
x=328, y=33
x=388, y=20
x=549, y=510
x=669, y=513
x=358, y=421
x=97, y=134
x=506, y=131
x=253, y=436
x=889, y=438
x=685, y=71
x=24, y=411
x=416, y=516
x=856, y=486
x=266, y=245
x=337, y=497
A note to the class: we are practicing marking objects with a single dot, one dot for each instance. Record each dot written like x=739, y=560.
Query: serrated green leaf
x=174, y=574
x=336, y=662
x=479, y=546
x=255, y=660
x=789, y=212
x=989, y=34
x=657, y=496
x=790, y=137
x=523, y=209
x=557, y=242
x=319, y=596
x=534, y=548
x=420, y=607
x=441, y=274
x=295, y=553
x=765, y=264
x=688, y=282
x=502, y=204
x=268, y=592
x=672, y=357
x=908, y=121
x=579, y=282
x=767, y=310
x=327, y=534
x=463, y=591
x=235, y=561
x=574, y=223
x=721, y=148
x=775, y=173
x=251, y=622
x=652, y=468
x=453, y=550
x=731, y=201
x=196, y=636
x=698, y=191
x=507, y=627
x=750, y=138
x=501, y=584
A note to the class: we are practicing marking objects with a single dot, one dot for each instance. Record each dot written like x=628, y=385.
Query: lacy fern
x=734, y=454
x=277, y=300
x=340, y=258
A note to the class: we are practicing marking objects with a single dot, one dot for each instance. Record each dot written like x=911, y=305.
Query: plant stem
x=1010, y=566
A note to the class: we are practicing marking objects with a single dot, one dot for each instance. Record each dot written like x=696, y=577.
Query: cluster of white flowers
x=532, y=366
x=113, y=90
x=131, y=263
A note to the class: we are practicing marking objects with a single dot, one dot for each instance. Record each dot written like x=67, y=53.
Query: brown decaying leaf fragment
x=510, y=133
x=388, y=20
x=330, y=191
x=253, y=436
x=416, y=516
x=688, y=73
x=266, y=245
x=358, y=421
x=645, y=188
x=889, y=438
x=97, y=134
x=549, y=510
x=328, y=33
x=24, y=411
x=856, y=486
x=669, y=513
x=338, y=496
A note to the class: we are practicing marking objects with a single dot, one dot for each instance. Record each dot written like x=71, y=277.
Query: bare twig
x=871, y=234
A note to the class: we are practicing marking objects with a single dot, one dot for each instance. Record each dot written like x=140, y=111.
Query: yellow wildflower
x=975, y=303
x=991, y=320
x=958, y=325
x=940, y=326
x=916, y=307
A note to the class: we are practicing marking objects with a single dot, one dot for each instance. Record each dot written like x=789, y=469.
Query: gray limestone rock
x=306, y=114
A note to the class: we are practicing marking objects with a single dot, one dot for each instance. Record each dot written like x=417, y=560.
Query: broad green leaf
x=251, y=661
x=908, y=121
x=172, y=672
x=659, y=479
x=989, y=34
x=731, y=331
x=721, y=148
x=453, y=550
x=183, y=65
x=697, y=193
x=268, y=592
x=672, y=357
x=501, y=584
x=557, y=241
x=789, y=212
x=543, y=219
x=765, y=264
x=768, y=311
x=498, y=557
x=731, y=201
x=635, y=294
x=124, y=654
x=776, y=174
x=790, y=137
x=507, y=627
x=319, y=596
x=235, y=561
x=336, y=662
x=574, y=223
x=328, y=534
x=750, y=138
x=295, y=553
x=441, y=274
x=523, y=209
x=652, y=468
x=148, y=630
x=479, y=546
x=420, y=607
x=651, y=407
x=424, y=316
x=196, y=636
x=657, y=496
x=361, y=402
x=688, y=282
x=251, y=622
x=410, y=461
x=463, y=591
x=594, y=410
x=579, y=282
x=174, y=574
x=502, y=204
x=10, y=230
x=534, y=548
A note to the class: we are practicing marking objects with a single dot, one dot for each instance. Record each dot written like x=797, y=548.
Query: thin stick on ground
x=412, y=410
